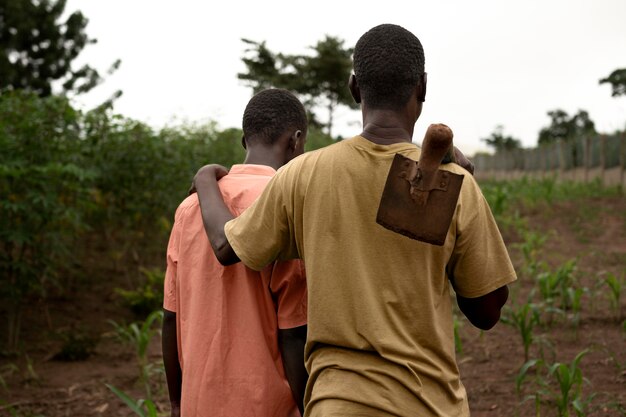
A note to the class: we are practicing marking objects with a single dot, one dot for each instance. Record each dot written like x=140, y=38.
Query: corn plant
x=538, y=191
x=139, y=336
x=568, y=396
x=523, y=371
x=498, y=196
x=532, y=245
x=615, y=285
x=141, y=407
x=557, y=285
x=575, y=297
x=567, y=279
x=524, y=319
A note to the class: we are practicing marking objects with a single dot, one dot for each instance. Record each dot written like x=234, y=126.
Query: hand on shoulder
x=463, y=161
x=208, y=174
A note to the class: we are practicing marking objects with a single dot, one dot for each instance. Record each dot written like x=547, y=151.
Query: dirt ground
x=594, y=231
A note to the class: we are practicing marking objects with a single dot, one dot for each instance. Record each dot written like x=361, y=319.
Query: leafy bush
x=45, y=188
x=78, y=345
x=69, y=178
x=149, y=296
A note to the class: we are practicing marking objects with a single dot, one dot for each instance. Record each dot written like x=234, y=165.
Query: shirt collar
x=252, y=169
x=361, y=142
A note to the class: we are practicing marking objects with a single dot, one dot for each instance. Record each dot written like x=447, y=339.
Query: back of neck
x=262, y=157
x=386, y=127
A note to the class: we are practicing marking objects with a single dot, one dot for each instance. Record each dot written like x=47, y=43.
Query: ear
x=354, y=89
x=294, y=139
x=243, y=142
x=421, y=92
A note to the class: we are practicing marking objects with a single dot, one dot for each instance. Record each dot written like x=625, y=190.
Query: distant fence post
x=561, y=150
x=602, y=157
x=587, y=156
x=622, y=161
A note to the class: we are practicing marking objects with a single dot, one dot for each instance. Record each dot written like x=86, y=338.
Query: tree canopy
x=563, y=127
x=501, y=142
x=38, y=47
x=320, y=79
x=617, y=79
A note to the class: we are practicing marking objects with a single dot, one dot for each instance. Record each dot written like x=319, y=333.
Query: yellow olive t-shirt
x=380, y=337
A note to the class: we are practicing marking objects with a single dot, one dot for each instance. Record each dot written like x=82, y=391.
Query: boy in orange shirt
x=233, y=337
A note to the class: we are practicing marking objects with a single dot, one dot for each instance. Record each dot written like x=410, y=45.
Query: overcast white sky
x=489, y=62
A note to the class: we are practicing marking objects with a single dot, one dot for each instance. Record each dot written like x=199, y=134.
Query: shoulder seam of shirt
x=186, y=205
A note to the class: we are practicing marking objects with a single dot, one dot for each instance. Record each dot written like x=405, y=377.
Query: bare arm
x=463, y=161
x=291, y=342
x=173, y=373
x=215, y=214
x=484, y=312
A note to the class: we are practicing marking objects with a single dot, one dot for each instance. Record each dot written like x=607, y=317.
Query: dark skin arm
x=484, y=312
x=173, y=373
x=461, y=159
x=291, y=343
x=215, y=214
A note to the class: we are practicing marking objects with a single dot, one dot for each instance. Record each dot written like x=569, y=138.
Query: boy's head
x=275, y=118
x=388, y=66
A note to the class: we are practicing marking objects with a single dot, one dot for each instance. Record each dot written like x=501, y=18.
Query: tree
x=558, y=129
x=617, y=79
x=324, y=76
x=565, y=128
x=263, y=66
x=37, y=48
x=501, y=142
x=320, y=79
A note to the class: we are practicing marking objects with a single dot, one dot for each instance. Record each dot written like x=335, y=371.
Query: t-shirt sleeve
x=288, y=287
x=480, y=262
x=169, y=285
x=265, y=232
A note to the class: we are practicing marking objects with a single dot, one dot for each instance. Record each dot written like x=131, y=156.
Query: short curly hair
x=388, y=64
x=271, y=112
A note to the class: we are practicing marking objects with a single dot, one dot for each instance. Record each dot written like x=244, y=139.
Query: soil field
x=590, y=231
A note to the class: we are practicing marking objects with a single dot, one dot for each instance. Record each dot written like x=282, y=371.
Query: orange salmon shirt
x=228, y=318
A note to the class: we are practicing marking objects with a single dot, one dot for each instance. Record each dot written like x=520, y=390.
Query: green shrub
x=66, y=176
x=78, y=345
x=45, y=190
x=148, y=297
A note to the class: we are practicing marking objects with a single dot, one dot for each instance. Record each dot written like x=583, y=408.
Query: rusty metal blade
x=417, y=204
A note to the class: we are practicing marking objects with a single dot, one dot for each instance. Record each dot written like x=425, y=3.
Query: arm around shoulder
x=215, y=214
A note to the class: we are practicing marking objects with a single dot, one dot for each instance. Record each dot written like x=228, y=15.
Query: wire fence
x=583, y=158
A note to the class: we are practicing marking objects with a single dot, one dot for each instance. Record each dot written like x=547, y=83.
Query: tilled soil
x=592, y=231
